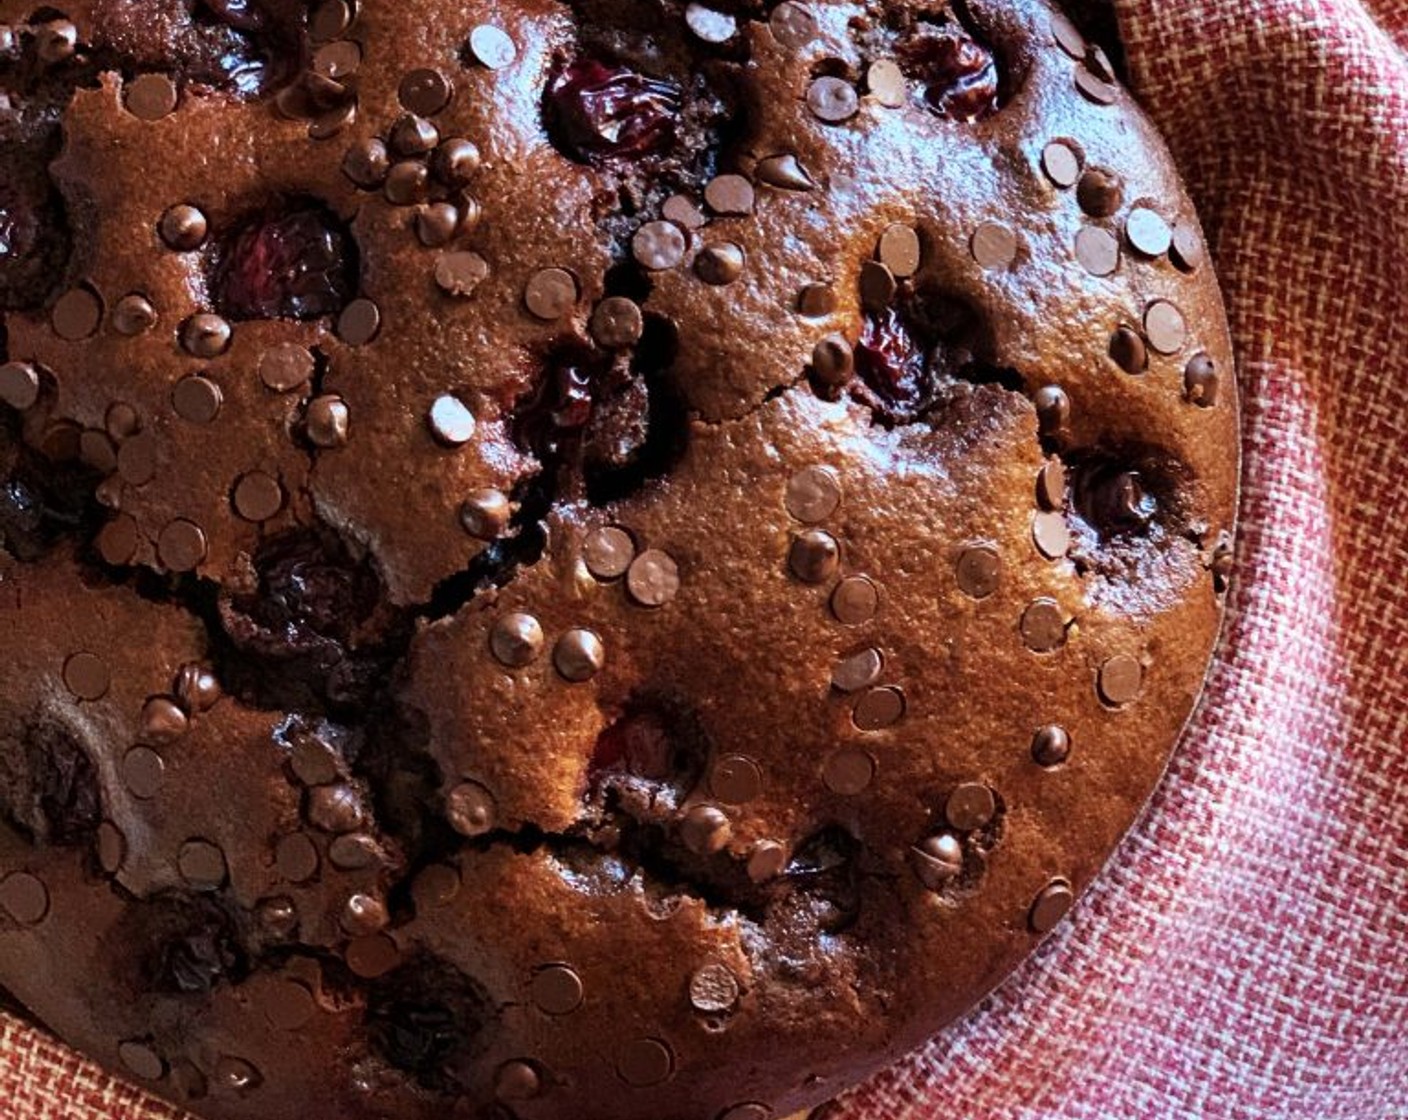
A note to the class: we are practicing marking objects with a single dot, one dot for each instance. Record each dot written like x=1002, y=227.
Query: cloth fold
x=1246, y=953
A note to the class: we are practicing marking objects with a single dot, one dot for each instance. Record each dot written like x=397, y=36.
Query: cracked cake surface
x=579, y=558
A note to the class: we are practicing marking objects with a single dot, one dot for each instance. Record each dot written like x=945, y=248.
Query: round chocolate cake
x=603, y=559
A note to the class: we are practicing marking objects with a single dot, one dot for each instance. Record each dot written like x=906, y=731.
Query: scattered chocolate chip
x=858, y=671
x=709, y=25
x=608, y=553
x=994, y=246
x=367, y=164
x=551, y=293
x=1053, y=409
x=1200, y=381
x=1147, y=232
x=181, y=546
x=150, y=97
x=485, y=514
x=578, y=655
x=1127, y=350
x=459, y=273
x=785, y=172
x=407, y=183
x=372, y=957
x=971, y=806
x=425, y=92
x=119, y=540
x=855, y=600
x=680, y=210
x=1096, y=89
x=832, y=100
x=834, y=361
x=197, y=688
x=326, y=422
x=111, y=848
x=202, y=865
x=1121, y=680
x=1100, y=192
x=879, y=708
x=355, y=852
x=814, y=556
x=705, y=830
x=455, y=161
x=55, y=41
x=143, y=772
x=937, y=860
x=359, y=322
x=767, y=861
x=286, y=367
x=330, y=20
x=817, y=301
x=659, y=245
x=162, y=721
x=979, y=571
x=491, y=47
x=77, y=315
x=793, y=25
x=729, y=195
x=96, y=450
x=813, y=494
x=338, y=59
x=1051, y=745
x=1067, y=36
x=900, y=251
x=336, y=808
x=516, y=640
x=435, y=886
x=19, y=385
x=87, y=676
x=141, y=1060
x=1050, y=906
x=1051, y=535
x=1043, y=626
x=364, y=915
x=1062, y=163
x=877, y=286
x=886, y=81
x=1098, y=250
x=653, y=578
x=133, y=314
x=206, y=335
x=1051, y=485
x=517, y=1081
x=736, y=780
x=287, y=1005
x=1165, y=327
x=1187, y=252
x=617, y=323
x=450, y=421
x=183, y=228
x=713, y=989
x=556, y=989
x=645, y=1062
x=849, y=771
x=413, y=136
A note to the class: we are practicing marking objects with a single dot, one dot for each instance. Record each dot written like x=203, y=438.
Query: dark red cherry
x=890, y=361
x=290, y=264
x=959, y=75
x=597, y=112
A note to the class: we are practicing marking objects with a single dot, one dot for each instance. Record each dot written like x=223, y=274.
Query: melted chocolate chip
x=297, y=261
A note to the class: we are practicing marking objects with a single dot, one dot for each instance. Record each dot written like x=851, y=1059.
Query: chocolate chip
x=832, y=100
x=608, y=553
x=855, y=600
x=407, y=183
x=713, y=990
x=450, y=421
x=1127, y=350
x=556, y=989
x=77, y=315
x=1050, y=906
x=286, y=367
x=813, y=494
x=879, y=708
x=367, y=164
x=133, y=314
x=202, y=865
x=364, y=915
x=858, y=671
x=19, y=385
x=288, y=1005
x=516, y=640
x=336, y=808
x=330, y=20
x=1147, y=233
x=793, y=25
x=141, y=1060
x=143, y=772
x=834, y=361
x=645, y=1062
x=1100, y=192
x=1051, y=535
x=705, y=830
x=971, y=806
x=491, y=47
x=877, y=286
x=1067, y=36
x=326, y=421
x=1200, y=381
x=1062, y=163
x=979, y=571
x=206, y=335
x=551, y=293
x=183, y=228
x=653, y=578
x=680, y=210
x=1165, y=327
x=87, y=676
x=886, y=81
x=900, y=251
x=578, y=655
x=817, y=301
x=181, y=546
x=767, y=861
x=848, y=771
x=340, y=58
x=459, y=273
x=118, y=541
x=1096, y=89
x=785, y=172
x=729, y=195
x=659, y=245
x=455, y=161
x=1098, y=250
x=1187, y=252
x=1051, y=745
x=617, y=323
x=814, y=556
x=517, y=1081
x=355, y=852
x=1043, y=626
x=994, y=246
x=1051, y=485
x=111, y=848
x=197, y=688
x=359, y=323
x=55, y=41
x=485, y=514
x=736, y=780
x=425, y=92
x=719, y=264
x=150, y=97
x=937, y=860
x=709, y=25
x=162, y=721
x=372, y=957
x=1121, y=680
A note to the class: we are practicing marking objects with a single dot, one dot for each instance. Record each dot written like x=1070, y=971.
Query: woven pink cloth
x=1246, y=954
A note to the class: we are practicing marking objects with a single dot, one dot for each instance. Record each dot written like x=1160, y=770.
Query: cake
x=609, y=559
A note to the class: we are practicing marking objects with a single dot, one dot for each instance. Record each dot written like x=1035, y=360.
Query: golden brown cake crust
x=593, y=560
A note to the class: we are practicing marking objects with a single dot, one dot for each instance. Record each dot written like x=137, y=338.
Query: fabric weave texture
x=1245, y=955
